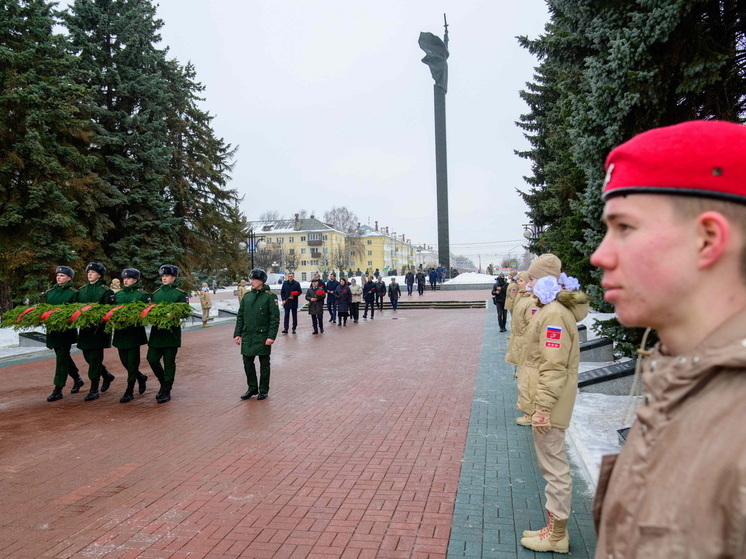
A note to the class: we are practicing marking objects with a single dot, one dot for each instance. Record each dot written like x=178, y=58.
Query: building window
x=279, y=240
x=303, y=276
x=291, y=250
x=291, y=239
x=325, y=250
x=324, y=238
x=314, y=236
x=304, y=263
x=303, y=251
x=302, y=239
x=370, y=262
x=370, y=253
x=314, y=262
x=370, y=242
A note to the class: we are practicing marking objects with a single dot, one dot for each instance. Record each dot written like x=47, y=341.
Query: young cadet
x=674, y=259
x=128, y=340
x=163, y=344
x=552, y=357
x=61, y=342
x=92, y=341
x=256, y=329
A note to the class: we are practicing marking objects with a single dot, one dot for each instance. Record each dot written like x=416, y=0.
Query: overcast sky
x=330, y=105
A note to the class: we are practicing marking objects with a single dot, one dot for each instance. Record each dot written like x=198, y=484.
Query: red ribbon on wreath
x=146, y=310
x=76, y=314
x=109, y=314
x=24, y=313
x=46, y=314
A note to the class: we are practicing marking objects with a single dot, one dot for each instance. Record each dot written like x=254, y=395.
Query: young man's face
x=62, y=279
x=93, y=276
x=648, y=256
x=129, y=281
x=167, y=279
x=291, y=277
x=256, y=283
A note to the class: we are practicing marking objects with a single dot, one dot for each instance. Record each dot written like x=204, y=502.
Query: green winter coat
x=99, y=293
x=132, y=336
x=258, y=320
x=170, y=337
x=61, y=295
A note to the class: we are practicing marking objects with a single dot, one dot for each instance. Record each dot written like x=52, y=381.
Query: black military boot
x=141, y=380
x=77, y=383
x=129, y=394
x=165, y=395
x=93, y=393
x=108, y=378
x=249, y=393
x=162, y=385
x=55, y=395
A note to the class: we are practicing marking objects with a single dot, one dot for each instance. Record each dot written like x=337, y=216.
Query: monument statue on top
x=436, y=57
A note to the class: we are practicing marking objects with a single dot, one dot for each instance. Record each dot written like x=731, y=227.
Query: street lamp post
x=532, y=232
x=252, y=245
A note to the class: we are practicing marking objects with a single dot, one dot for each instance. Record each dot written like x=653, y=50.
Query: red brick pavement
x=355, y=454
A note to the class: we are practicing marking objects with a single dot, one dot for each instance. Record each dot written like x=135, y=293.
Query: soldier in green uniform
x=163, y=344
x=128, y=340
x=61, y=342
x=93, y=341
x=256, y=329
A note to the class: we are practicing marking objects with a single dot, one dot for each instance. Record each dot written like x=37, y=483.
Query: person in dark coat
x=331, y=298
x=128, y=340
x=409, y=280
x=344, y=298
x=421, y=280
x=369, y=296
x=499, y=292
x=394, y=293
x=165, y=343
x=289, y=293
x=433, y=277
x=380, y=293
x=256, y=329
x=315, y=297
x=92, y=341
x=61, y=342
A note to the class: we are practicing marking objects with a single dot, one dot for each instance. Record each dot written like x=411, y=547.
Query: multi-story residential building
x=307, y=246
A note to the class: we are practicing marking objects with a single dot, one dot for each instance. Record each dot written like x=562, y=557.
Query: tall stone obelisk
x=436, y=57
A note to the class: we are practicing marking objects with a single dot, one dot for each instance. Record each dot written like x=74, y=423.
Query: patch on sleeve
x=554, y=332
x=534, y=310
x=553, y=345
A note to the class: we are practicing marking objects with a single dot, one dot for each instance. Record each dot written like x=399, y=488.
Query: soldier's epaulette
x=179, y=289
x=141, y=290
x=73, y=289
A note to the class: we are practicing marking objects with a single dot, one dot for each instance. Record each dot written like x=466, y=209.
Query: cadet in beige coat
x=675, y=210
x=205, y=301
x=242, y=290
x=552, y=356
x=512, y=294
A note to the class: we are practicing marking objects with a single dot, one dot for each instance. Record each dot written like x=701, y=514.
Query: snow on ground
x=471, y=278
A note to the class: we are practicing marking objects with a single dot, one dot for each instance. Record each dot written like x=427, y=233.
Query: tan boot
x=555, y=540
x=548, y=527
x=525, y=420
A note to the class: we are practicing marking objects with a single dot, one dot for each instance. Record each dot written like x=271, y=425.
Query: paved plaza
x=391, y=438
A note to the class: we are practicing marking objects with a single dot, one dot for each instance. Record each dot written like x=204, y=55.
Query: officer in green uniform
x=128, y=340
x=163, y=344
x=92, y=341
x=61, y=342
x=256, y=329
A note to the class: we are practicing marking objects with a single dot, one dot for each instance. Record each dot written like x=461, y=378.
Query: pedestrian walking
x=675, y=212
x=369, y=296
x=499, y=293
x=61, y=342
x=357, y=297
x=164, y=343
x=394, y=293
x=289, y=293
x=344, y=298
x=552, y=357
x=94, y=340
x=409, y=281
x=421, y=280
x=380, y=293
x=433, y=277
x=331, y=297
x=256, y=329
x=205, y=301
x=128, y=340
x=315, y=296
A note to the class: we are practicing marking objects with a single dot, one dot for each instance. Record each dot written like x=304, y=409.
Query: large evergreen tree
x=115, y=41
x=48, y=192
x=639, y=65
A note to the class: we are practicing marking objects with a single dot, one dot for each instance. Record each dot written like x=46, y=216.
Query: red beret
x=696, y=158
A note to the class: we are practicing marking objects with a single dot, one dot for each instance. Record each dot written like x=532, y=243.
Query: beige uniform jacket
x=523, y=309
x=678, y=488
x=205, y=300
x=512, y=296
x=553, y=355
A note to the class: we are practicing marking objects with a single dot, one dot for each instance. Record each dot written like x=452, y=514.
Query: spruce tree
x=47, y=189
x=115, y=42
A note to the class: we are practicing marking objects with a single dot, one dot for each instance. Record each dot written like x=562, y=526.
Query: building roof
x=270, y=226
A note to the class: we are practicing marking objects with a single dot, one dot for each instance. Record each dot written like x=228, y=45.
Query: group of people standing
x=162, y=344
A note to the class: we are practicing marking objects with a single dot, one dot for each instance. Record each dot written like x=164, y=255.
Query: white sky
x=330, y=105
